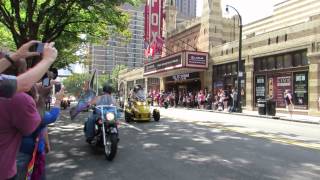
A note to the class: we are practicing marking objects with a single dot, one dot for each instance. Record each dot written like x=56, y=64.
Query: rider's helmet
x=137, y=88
x=107, y=88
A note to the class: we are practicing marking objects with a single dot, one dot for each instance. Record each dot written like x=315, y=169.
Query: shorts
x=290, y=107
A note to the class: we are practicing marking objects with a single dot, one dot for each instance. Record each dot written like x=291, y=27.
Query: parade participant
x=105, y=99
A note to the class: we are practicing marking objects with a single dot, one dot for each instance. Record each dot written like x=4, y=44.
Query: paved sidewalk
x=279, y=116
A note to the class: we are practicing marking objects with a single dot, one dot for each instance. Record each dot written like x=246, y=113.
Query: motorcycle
x=65, y=103
x=106, y=130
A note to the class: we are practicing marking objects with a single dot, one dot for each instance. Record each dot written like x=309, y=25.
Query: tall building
x=186, y=8
x=118, y=52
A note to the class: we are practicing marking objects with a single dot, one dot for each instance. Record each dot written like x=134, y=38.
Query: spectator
x=10, y=84
x=19, y=116
x=27, y=147
x=289, y=103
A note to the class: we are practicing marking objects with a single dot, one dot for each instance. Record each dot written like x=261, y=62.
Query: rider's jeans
x=89, y=130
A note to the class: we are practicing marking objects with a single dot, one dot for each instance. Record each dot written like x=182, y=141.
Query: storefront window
x=300, y=94
x=287, y=60
x=229, y=70
x=263, y=65
x=234, y=69
x=260, y=91
x=257, y=65
x=297, y=59
x=304, y=58
x=271, y=63
x=279, y=62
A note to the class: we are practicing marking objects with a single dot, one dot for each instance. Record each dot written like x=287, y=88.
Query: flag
x=87, y=95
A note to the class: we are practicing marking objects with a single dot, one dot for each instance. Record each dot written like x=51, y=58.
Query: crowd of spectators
x=23, y=119
x=221, y=100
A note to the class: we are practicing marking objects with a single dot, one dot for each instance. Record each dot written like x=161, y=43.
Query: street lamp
x=239, y=74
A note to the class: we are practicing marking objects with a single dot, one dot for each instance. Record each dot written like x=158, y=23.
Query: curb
x=258, y=116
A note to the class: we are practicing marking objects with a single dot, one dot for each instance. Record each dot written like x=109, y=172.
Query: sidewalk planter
x=262, y=107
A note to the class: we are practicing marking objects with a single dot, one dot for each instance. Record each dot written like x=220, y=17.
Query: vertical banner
x=153, y=27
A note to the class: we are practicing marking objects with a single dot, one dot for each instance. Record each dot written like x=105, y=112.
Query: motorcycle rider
x=105, y=99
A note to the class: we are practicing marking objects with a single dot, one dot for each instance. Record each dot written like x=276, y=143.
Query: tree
x=62, y=21
x=74, y=83
x=115, y=75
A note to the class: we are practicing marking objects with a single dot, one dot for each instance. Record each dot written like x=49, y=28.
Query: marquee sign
x=197, y=59
x=164, y=64
x=182, y=60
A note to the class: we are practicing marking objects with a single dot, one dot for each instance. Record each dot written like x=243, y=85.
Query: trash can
x=271, y=107
x=262, y=107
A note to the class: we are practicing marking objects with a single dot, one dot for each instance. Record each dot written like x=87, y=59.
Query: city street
x=190, y=145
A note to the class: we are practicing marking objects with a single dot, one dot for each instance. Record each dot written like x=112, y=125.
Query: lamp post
x=239, y=74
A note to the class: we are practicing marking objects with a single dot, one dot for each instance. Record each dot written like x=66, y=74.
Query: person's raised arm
x=22, y=53
x=27, y=79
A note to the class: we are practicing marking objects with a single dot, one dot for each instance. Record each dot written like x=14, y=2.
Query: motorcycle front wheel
x=110, y=149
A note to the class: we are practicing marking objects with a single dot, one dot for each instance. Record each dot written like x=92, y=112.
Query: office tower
x=118, y=52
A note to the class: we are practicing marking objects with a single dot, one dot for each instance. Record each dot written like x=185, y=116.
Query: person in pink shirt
x=19, y=117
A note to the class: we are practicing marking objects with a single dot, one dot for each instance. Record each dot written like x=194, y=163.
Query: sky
x=250, y=10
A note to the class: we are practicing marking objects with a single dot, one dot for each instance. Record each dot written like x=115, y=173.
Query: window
x=234, y=68
x=229, y=69
x=227, y=51
x=285, y=37
x=279, y=61
x=277, y=39
x=297, y=59
x=304, y=58
x=232, y=50
x=263, y=64
x=269, y=41
x=287, y=60
x=257, y=65
x=271, y=63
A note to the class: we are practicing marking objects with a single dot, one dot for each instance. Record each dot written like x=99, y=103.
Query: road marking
x=131, y=126
x=268, y=136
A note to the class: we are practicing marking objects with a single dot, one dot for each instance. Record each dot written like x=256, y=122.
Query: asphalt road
x=178, y=149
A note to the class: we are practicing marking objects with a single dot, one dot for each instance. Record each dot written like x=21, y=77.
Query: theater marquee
x=185, y=60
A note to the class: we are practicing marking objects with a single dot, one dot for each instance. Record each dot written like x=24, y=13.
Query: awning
x=179, y=63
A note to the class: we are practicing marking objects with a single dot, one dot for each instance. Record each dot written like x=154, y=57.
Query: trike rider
x=105, y=99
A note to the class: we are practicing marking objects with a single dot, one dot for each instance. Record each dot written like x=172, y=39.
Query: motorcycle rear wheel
x=110, y=149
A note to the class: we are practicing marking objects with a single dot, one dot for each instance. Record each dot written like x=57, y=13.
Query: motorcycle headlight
x=65, y=99
x=110, y=116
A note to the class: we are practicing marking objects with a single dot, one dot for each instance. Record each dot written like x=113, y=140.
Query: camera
x=39, y=47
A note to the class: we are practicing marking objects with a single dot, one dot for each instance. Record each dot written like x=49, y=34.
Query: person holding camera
x=19, y=115
x=9, y=85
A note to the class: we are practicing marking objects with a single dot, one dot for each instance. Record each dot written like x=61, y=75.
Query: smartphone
x=39, y=47
x=57, y=87
x=46, y=82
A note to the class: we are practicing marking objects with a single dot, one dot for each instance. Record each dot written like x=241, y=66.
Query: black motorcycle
x=106, y=130
x=64, y=103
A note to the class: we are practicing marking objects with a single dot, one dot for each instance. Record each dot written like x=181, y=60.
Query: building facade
x=279, y=52
x=186, y=8
x=117, y=51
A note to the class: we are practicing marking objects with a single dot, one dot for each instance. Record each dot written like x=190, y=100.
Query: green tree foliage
x=62, y=21
x=115, y=75
x=74, y=83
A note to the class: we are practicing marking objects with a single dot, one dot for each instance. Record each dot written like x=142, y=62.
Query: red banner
x=153, y=27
